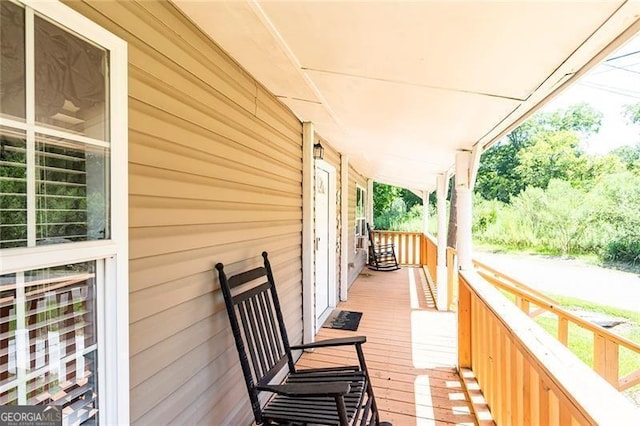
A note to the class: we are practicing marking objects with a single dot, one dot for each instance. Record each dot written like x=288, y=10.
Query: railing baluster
x=605, y=358
x=516, y=385
x=405, y=248
x=554, y=410
x=523, y=304
x=543, y=400
x=464, y=329
x=563, y=330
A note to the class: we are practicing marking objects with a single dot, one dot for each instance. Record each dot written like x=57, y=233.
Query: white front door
x=325, y=243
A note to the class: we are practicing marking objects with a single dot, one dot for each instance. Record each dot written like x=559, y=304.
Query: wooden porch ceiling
x=410, y=350
x=400, y=86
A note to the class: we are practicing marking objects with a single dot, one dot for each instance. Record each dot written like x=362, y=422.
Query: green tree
x=497, y=174
x=565, y=217
x=552, y=155
x=616, y=201
x=383, y=197
x=630, y=157
x=396, y=209
x=632, y=113
x=581, y=118
x=501, y=175
x=410, y=199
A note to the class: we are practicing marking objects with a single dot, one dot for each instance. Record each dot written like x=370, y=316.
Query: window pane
x=359, y=202
x=12, y=65
x=71, y=82
x=48, y=339
x=13, y=188
x=71, y=191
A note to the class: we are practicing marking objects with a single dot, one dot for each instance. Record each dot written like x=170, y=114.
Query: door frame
x=332, y=233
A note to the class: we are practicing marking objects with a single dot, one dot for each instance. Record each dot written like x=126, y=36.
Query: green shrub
x=623, y=250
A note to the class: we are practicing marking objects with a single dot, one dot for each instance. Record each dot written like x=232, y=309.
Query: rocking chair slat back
x=257, y=324
x=247, y=276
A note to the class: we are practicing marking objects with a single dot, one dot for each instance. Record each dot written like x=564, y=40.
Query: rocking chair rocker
x=328, y=396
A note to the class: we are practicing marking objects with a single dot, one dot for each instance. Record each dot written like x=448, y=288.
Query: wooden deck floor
x=410, y=349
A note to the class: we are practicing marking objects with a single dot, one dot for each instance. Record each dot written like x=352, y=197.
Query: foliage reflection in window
x=361, y=227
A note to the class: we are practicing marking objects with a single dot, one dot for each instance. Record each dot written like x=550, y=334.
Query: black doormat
x=345, y=320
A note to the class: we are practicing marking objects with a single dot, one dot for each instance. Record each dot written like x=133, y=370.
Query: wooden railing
x=409, y=245
x=431, y=255
x=606, y=344
x=526, y=376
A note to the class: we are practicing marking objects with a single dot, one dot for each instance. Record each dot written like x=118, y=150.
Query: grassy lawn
x=581, y=340
x=573, y=304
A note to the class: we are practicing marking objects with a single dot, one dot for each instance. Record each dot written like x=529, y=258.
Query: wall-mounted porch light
x=318, y=151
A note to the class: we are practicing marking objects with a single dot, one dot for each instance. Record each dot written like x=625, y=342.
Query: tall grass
x=564, y=220
x=603, y=221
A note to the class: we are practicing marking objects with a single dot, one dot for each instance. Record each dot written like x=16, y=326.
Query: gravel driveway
x=569, y=277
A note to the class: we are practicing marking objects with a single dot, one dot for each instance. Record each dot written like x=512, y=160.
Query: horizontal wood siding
x=215, y=175
x=357, y=258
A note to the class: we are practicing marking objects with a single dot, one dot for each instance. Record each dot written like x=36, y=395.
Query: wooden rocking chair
x=327, y=396
x=382, y=257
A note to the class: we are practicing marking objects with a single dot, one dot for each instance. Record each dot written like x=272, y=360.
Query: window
x=361, y=221
x=49, y=333
x=63, y=227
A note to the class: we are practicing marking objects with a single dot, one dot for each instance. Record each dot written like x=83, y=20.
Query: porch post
x=369, y=203
x=344, y=227
x=308, y=252
x=464, y=188
x=441, y=271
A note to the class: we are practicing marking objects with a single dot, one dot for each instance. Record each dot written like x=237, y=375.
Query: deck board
x=410, y=350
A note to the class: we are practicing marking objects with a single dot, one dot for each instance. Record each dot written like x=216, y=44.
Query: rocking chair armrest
x=344, y=341
x=308, y=389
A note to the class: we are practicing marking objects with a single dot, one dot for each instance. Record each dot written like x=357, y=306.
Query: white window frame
x=361, y=232
x=113, y=323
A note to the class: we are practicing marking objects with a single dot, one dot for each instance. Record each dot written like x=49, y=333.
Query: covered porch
x=215, y=110
x=410, y=349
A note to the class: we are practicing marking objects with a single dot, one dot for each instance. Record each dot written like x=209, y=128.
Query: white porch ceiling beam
x=260, y=13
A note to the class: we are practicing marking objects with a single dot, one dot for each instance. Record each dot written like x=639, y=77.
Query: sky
x=607, y=88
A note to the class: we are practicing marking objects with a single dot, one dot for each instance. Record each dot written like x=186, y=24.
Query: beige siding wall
x=357, y=258
x=215, y=176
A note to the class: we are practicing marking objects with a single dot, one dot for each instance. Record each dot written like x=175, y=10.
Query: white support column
x=464, y=167
x=474, y=165
x=344, y=227
x=369, y=206
x=308, y=252
x=441, y=270
x=425, y=212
